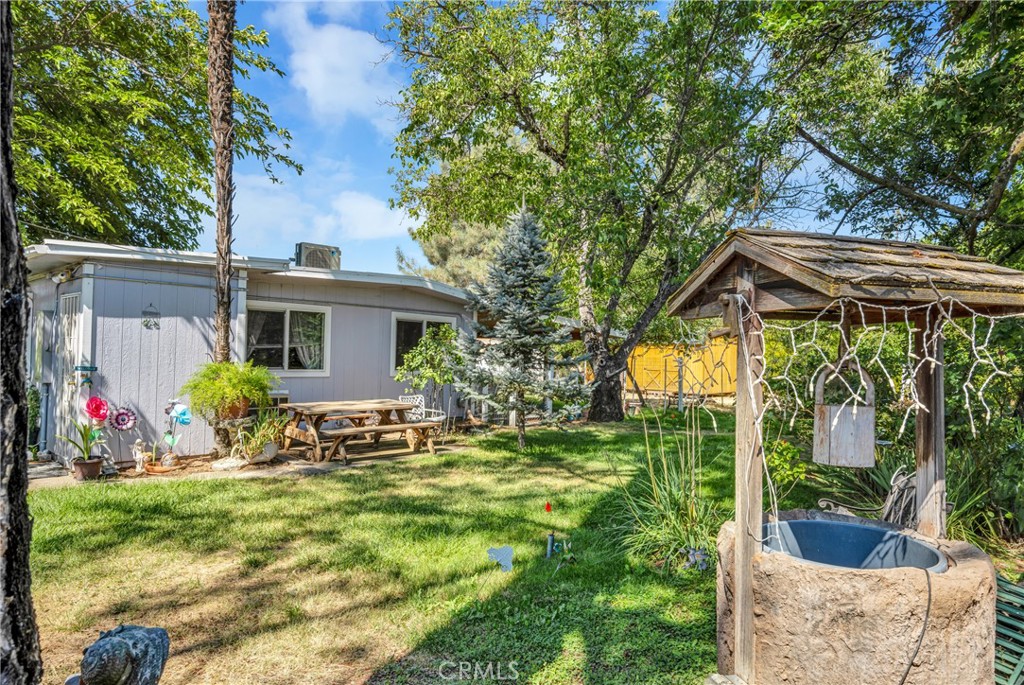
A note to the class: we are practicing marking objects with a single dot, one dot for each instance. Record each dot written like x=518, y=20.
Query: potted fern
x=226, y=390
x=85, y=464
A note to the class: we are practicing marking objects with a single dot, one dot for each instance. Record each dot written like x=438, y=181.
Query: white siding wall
x=360, y=356
x=143, y=368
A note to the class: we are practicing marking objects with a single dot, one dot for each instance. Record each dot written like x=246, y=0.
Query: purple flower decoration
x=123, y=419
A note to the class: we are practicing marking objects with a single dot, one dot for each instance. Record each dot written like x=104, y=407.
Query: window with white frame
x=407, y=329
x=292, y=338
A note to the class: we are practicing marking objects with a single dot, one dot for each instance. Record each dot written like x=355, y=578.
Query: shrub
x=219, y=385
x=431, y=362
x=983, y=483
x=32, y=395
x=786, y=465
x=268, y=427
x=667, y=519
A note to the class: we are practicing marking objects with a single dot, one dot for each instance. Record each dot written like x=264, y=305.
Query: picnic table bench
x=416, y=434
x=390, y=416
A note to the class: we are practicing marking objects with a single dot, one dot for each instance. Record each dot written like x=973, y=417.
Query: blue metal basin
x=850, y=545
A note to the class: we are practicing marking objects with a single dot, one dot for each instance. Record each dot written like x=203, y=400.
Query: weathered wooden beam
x=748, y=479
x=930, y=448
x=790, y=299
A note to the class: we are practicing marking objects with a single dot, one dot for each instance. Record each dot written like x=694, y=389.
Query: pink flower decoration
x=123, y=419
x=97, y=408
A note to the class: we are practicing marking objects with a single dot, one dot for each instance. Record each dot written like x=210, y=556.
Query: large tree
x=20, y=659
x=917, y=113
x=111, y=141
x=643, y=134
x=459, y=256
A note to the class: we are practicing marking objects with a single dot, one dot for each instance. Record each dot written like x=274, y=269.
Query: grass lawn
x=380, y=573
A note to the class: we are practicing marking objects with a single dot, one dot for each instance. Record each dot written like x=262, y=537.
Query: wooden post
x=679, y=382
x=749, y=369
x=930, y=448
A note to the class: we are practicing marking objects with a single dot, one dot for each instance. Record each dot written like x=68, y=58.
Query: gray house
x=131, y=324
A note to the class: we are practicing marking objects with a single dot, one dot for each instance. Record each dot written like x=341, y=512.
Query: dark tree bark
x=220, y=88
x=606, y=401
x=20, y=659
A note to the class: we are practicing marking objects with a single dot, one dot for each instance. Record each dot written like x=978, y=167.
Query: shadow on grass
x=407, y=539
x=600, y=620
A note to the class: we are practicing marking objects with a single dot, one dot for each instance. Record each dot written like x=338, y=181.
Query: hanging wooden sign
x=844, y=433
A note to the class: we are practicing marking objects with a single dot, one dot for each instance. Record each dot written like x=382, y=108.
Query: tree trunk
x=20, y=660
x=220, y=89
x=521, y=421
x=606, y=394
x=606, y=401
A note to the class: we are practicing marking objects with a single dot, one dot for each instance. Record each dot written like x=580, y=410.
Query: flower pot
x=238, y=410
x=156, y=469
x=268, y=453
x=87, y=469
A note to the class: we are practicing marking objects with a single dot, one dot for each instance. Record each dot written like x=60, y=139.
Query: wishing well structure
x=876, y=608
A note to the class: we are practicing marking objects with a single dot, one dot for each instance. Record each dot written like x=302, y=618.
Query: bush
x=32, y=395
x=786, y=465
x=267, y=428
x=984, y=483
x=431, y=362
x=217, y=386
x=667, y=519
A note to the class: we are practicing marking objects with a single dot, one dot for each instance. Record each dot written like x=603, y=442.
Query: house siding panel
x=360, y=334
x=142, y=368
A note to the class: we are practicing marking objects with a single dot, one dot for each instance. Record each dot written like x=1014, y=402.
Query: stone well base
x=826, y=625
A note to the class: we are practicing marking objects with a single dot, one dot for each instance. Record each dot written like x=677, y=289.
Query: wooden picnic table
x=313, y=414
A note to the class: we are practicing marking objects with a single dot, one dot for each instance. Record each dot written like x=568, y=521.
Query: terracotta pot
x=157, y=469
x=87, y=470
x=238, y=410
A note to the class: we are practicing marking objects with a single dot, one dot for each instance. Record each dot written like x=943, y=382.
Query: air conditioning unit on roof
x=318, y=256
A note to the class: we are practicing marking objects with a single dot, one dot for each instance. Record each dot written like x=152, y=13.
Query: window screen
x=266, y=338
x=407, y=334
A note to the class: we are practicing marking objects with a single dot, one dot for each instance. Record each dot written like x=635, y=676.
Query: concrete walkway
x=50, y=475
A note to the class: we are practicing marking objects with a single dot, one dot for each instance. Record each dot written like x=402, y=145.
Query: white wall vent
x=318, y=256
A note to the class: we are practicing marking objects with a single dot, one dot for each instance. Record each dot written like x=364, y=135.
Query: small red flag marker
x=547, y=507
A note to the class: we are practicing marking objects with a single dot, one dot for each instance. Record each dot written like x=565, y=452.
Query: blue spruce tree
x=506, y=364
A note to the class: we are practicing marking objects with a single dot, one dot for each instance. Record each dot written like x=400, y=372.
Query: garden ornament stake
x=502, y=556
x=177, y=414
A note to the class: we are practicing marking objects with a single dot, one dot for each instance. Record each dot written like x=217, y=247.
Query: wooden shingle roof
x=801, y=274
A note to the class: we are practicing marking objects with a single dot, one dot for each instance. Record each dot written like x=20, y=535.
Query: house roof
x=53, y=255
x=801, y=274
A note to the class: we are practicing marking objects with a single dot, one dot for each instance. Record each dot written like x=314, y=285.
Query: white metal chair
x=421, y=412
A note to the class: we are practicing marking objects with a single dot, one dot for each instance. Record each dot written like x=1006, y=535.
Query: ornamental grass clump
x=667, y=519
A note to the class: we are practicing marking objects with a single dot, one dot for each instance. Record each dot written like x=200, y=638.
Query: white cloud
x=360, y=216
x=271, y=217
x=264, y=212
x=341, y=71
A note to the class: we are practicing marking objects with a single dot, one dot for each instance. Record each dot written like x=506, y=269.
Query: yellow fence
x=707, y=370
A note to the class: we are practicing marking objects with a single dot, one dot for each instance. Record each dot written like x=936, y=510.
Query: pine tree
x=506, y=364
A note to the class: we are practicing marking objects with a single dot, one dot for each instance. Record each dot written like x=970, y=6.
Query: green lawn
x=381, y=572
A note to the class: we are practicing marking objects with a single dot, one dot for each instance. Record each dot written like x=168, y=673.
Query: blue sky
x=332, y=101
